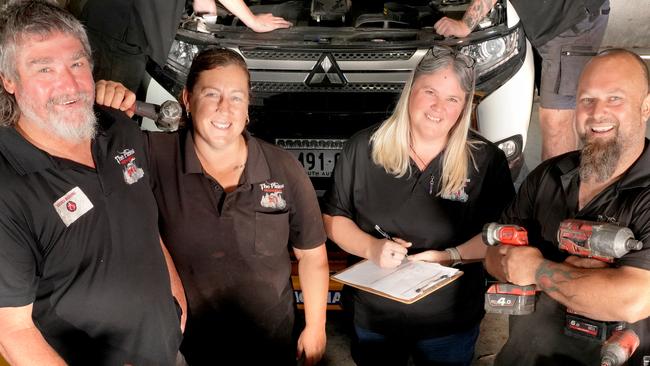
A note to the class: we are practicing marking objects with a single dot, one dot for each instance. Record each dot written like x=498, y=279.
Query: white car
x=342, y=65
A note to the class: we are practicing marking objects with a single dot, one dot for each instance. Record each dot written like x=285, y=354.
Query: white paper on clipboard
x=407, y=282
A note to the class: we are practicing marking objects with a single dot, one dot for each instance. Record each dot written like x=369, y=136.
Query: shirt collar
x=256, y=169
x=26, y=158
x=638, y=175
x=191, y=162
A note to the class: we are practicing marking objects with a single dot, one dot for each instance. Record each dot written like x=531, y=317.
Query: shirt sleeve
x=18, y=265
x=305, y=220
x=640, y=226
x=497, y=191
x=338, y=201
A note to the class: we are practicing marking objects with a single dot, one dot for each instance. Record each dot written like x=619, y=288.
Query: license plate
x=317, y=156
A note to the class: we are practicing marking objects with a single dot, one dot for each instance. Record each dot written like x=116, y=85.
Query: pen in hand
x=383, y=233
x=386, y=235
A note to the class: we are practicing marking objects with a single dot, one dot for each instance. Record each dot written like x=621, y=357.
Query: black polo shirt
x=231, y=249
x=410, y=208
x=82, y=245
x=544, y=20
x=548, y=196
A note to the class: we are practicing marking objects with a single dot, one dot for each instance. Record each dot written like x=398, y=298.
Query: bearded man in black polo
x=607, y=181
x=83, y=278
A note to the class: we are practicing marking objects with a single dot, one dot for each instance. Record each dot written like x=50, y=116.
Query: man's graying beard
x=64, y=125
x=599, y=159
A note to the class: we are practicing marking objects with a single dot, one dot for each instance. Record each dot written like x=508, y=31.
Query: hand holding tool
x=506, y=298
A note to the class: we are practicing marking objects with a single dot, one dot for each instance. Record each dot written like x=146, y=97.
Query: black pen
x=387, y=236
x=383, y=233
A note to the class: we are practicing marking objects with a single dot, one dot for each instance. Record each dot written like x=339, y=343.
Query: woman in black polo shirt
x=431, y=183
x=229, y=206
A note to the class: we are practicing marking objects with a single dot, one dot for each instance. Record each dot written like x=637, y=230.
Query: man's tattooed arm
x=477, y=11
x=555, y=279
x=616, y=294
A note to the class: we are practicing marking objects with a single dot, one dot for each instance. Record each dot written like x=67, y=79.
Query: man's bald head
x=639, y=70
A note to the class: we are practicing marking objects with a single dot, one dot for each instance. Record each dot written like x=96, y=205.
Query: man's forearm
x=21, y=343
x=239, y=9
x=605, y=294
x=28, y=347
x=477, y=10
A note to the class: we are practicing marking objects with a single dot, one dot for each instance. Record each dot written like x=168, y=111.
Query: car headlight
x=512, y=146
x=492, y=53
x=181, y=55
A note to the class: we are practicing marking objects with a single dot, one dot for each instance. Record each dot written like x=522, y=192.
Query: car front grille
x=279, y=55
x=278, y=87
x=339, y=56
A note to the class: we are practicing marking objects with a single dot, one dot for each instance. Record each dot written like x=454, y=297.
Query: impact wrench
x=618, y=348
x=604, y=242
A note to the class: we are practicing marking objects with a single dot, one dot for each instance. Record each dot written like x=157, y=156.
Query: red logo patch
x=71, y=206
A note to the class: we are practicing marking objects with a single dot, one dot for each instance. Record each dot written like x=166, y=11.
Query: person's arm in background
x=476, y=11
x=21, y=343
x=177, y=286
x=313, y=271
x=259, y=23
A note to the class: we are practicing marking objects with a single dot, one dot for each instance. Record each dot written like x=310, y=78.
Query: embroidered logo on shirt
x=72, y=206
x=460, y=195
x=132, y=173
x=611, y=220
x=272, y=197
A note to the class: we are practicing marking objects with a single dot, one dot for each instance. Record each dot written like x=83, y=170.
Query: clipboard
x=406, y=283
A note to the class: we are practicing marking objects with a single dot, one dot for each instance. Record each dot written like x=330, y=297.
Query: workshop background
x=629, y=28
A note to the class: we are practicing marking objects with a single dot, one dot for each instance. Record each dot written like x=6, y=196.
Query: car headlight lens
x=511, y=147
x=181, y=55
x=494, y=52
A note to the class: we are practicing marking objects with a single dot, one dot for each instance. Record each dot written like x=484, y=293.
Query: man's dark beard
x=599, y=159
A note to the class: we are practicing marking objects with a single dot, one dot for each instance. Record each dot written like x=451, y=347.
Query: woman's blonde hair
x=390, y=143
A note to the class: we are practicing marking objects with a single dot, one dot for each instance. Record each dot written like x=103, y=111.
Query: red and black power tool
x=618, y=348
x=506, y=298
x=601, y=241
x=598, y=240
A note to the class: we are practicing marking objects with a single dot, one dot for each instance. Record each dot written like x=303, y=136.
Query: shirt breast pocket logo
x=130, y=171
x=72, y=206
x=271, y=233
x=460, y=195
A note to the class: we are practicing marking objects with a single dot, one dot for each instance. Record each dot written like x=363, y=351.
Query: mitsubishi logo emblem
x=326, y=73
